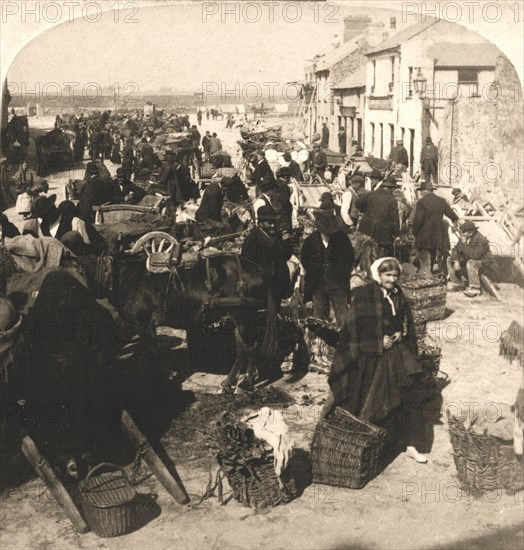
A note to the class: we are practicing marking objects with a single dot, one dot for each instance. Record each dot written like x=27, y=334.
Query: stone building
x=446, y=61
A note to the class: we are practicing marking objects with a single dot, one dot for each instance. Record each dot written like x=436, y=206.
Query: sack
x=23, y=203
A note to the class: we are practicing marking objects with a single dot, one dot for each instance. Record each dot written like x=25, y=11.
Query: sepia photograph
x=261, y=275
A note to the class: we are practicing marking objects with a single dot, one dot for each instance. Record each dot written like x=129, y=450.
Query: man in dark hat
x=428, y=228
x=327, y=257
x=168, y=177
x=324, y=143
x=206, y=143
x=146, y=154
x=93, y=193
x=429, y=161
x=381, y=218
x=261, y=170
x=460, y=203
x=399, y=155
x=470, y=258
x=348, y=209
x=293, y=165
x=281, y=200
x=355, y=148
x=264, y=246
x=266, y=186
x=125, y=191
x=128, y=158
x=319, y=162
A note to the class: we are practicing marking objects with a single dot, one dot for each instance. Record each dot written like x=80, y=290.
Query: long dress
x=376, y=385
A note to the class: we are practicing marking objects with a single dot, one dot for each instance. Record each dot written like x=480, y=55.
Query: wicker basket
x=346, y=451
x=484, y=462
x=260, y=487
x=427, y=296
x=108, y=501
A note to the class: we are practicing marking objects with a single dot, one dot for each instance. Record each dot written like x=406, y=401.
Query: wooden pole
x=51, y=481
x=173, y=485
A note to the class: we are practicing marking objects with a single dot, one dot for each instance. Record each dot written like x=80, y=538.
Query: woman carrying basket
x=376, y=358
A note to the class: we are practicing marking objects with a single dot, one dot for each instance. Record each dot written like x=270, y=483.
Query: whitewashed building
x=444, y=58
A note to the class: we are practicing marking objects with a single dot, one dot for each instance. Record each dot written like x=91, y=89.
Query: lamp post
x=420, y=82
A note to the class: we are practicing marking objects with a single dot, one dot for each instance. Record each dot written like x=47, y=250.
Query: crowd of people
x=377, y=356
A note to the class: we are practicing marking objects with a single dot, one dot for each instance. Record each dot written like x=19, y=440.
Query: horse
x=207, y=291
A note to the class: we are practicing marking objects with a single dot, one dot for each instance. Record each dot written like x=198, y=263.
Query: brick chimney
x=355, y=25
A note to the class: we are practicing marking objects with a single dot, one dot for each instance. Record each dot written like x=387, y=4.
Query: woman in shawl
x=28, y=186
x=376, y=358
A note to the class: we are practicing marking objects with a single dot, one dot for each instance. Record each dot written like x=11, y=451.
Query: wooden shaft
x=173, y=486
x=51, y=481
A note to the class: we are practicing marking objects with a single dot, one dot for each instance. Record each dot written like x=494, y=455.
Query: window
x=391, y=136
x=373, y=137
x=469, y=79
x=410, y=82
x=374, y=76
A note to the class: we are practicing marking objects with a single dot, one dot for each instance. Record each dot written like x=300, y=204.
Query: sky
x=174, y=47
x=178, y=47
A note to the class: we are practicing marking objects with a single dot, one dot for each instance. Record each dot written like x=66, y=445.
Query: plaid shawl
x=363, y=335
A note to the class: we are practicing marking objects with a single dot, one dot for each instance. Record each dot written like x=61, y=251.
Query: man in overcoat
x=399, y=154
x=429, y=161
x=327, y=257
x=428, y=227
x=381, y=219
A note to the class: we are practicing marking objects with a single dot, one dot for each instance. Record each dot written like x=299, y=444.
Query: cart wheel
x=157, y=242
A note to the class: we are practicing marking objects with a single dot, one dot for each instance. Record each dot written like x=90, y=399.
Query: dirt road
x=408, y=506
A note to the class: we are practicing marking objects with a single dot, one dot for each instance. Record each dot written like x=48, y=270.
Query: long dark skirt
x=375, y=386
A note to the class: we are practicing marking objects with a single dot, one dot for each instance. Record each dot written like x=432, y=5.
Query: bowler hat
x=266, y=213
x=120, y=172
x=425, y=186
x=456, y=191
x=267, y=183
x=390, y=181
x=326, y=221
x=284, y=172
x=358, y=179
x=41, y=205
x=375, y=174
x=287, y=156
x=468, y=226
x=428, y=140
x=399, y=142
x=92, y=168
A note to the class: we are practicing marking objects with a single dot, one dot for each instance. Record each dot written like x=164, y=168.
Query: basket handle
x=100, y=467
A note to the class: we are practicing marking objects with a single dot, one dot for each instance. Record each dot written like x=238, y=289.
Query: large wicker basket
x=484, y=462
x=260, y=487
x=427, y=296
x=346, y=451
x=108, y=501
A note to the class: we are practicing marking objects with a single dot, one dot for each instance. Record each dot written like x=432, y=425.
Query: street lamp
x=420, y=82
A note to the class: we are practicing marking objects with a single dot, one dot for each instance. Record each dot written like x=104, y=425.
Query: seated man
x=125, y=191
x=469, y=259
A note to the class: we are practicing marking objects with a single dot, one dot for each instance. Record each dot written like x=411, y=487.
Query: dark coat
x=381, y=217
x=280, y=198
x=429, y=158
x=314, y=255
x=477, y=248
x=428, y=223
x=296, y=172
x=119, y=194
x=272, y=256
x=206, y=144
x=168, y=180
x=128, y=157
x=399, y=155
x=94, y=193
x=211, y=206
x=342, y=141
x=320, y=160
x=236, y=191
x=262, y=169
x=325, y=137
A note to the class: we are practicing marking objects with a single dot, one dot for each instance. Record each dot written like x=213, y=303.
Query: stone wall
x=485, y=140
